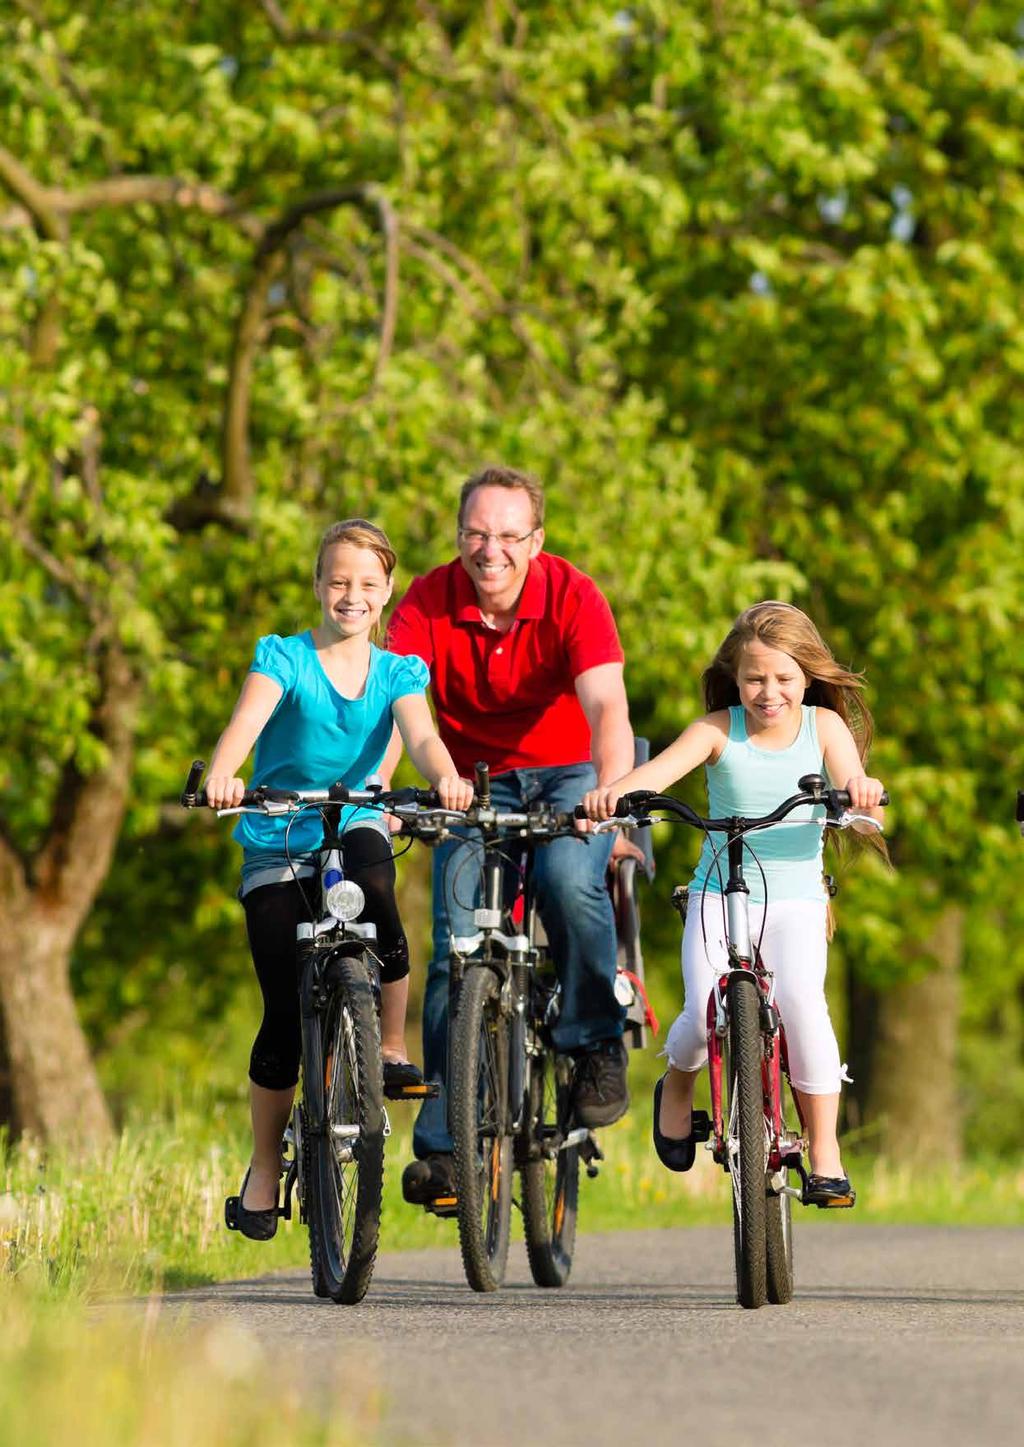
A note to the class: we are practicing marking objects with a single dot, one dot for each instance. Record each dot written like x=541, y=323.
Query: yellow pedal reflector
x=445, y=1201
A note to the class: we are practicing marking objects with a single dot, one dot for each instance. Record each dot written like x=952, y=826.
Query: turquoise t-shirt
x=750, y=782
x=317, y=737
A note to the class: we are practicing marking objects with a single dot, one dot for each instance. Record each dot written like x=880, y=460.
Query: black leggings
x=272, y=913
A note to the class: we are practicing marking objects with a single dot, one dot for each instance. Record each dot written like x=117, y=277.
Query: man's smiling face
x=497, y=541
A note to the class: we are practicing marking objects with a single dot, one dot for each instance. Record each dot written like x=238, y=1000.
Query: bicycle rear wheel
x=550, y=1172
x=746, y=1142
x=344, y=1155
x=480, y=1128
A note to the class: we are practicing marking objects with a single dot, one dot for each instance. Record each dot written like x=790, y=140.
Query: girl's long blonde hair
x=781, y=626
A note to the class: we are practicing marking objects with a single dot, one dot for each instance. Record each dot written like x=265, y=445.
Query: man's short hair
x=498, y=476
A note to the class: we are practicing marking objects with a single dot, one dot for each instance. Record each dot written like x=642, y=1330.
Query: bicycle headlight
x=345, y=900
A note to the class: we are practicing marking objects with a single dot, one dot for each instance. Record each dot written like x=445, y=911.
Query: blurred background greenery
x=739, y=283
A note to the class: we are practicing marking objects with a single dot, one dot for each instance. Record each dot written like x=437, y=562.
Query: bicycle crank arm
x=591, y=1153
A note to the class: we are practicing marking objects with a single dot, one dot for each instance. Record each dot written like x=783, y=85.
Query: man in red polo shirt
x=526, y=675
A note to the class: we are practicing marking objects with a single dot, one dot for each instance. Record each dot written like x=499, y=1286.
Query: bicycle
x=333, y=1154
x=509, y=1085
x=747, y=1130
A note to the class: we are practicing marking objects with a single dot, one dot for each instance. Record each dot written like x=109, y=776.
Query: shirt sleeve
x=274, y=660
x=591, y=637
x=408, y=675
x=409, y=629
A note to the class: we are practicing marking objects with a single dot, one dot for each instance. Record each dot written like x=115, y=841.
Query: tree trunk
x=54, y=1090
x=44, y=900
x=911, y=1093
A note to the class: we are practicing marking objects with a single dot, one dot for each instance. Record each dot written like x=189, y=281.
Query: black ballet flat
x=257, y=1225
x=678, y=1153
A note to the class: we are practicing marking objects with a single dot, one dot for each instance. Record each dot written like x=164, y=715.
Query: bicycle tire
x=551, y=1183
x=747, y=1153
x=779, y=1247
x=480, y=1128
x=343, y=1088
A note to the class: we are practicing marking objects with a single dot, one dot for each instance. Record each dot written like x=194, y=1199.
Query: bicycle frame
x=514, y=958
x=783, y=1147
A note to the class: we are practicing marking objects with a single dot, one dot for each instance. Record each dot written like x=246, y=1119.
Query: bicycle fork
x=783, y=1147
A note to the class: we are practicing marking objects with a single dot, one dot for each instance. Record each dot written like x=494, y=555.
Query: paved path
x=897, y=1335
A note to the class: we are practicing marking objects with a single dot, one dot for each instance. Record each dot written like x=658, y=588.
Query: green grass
x=150, y=1212
x=115, y=1380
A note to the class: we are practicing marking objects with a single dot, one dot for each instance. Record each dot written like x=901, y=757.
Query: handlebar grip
x=189, y=796
x=483, y=784
x=579, y=812
x=841, y=798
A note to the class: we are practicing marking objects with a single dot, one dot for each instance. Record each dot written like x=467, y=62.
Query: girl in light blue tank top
x=779, y=706
x=752, y=780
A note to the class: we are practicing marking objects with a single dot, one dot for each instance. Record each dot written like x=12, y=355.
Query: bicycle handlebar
x=813, y=790
x=195, y=798
x=412, y=806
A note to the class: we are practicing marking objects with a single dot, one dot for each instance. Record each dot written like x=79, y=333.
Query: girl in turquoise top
x=779, y=706
x=320, y=708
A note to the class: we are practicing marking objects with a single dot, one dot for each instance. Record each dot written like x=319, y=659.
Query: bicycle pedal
x=835, y=1203
x=700, y=1125
x=429, y=1090
x=443, y=1206
x=231, y=1213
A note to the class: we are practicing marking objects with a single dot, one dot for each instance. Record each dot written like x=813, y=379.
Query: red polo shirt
x=508, y=699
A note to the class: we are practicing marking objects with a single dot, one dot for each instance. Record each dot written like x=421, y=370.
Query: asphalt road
x=897, y=1335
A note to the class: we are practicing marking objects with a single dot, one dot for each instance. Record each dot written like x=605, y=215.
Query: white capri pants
x=795, y=950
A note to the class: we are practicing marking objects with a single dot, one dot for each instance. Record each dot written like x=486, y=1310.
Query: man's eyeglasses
x=475, y=538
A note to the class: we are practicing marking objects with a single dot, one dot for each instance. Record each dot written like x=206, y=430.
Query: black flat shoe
x=678, y=1153
x=257, y=1225
x=828, y=1192
x=430, y=1180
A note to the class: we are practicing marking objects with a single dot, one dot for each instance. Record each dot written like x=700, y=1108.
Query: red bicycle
x=747, y=1053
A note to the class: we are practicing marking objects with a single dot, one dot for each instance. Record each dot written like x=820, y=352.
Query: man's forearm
x=611, y=744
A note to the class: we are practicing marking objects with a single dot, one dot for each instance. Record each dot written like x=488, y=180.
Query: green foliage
x=741, y=283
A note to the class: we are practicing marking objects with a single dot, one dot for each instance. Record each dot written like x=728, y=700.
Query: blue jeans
x=569, y=879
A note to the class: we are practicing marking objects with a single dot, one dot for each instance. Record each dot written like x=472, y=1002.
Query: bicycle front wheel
x=344, y=1151
x=480, y=1128
x=550, y=1172
x=746, y=1142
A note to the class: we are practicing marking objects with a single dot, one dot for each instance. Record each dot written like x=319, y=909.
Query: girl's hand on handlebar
x=600, y=803
x=864, y=792
x=224, y=791
x=454, y=793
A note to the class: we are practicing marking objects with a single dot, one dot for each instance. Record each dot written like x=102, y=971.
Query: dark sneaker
x=599, y=1092
x=429, y=1180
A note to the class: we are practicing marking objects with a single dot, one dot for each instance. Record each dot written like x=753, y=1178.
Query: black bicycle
x=333, y=1155
x=509, y=1086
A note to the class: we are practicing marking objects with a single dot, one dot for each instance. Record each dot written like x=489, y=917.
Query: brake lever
x=848, y=817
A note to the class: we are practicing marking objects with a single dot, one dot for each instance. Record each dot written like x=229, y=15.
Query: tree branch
x=476, y=273
x=268, y=263
x=289, y=34
x=87, y=813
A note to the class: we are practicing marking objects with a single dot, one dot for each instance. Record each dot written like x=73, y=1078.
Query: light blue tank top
x=751, y=781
